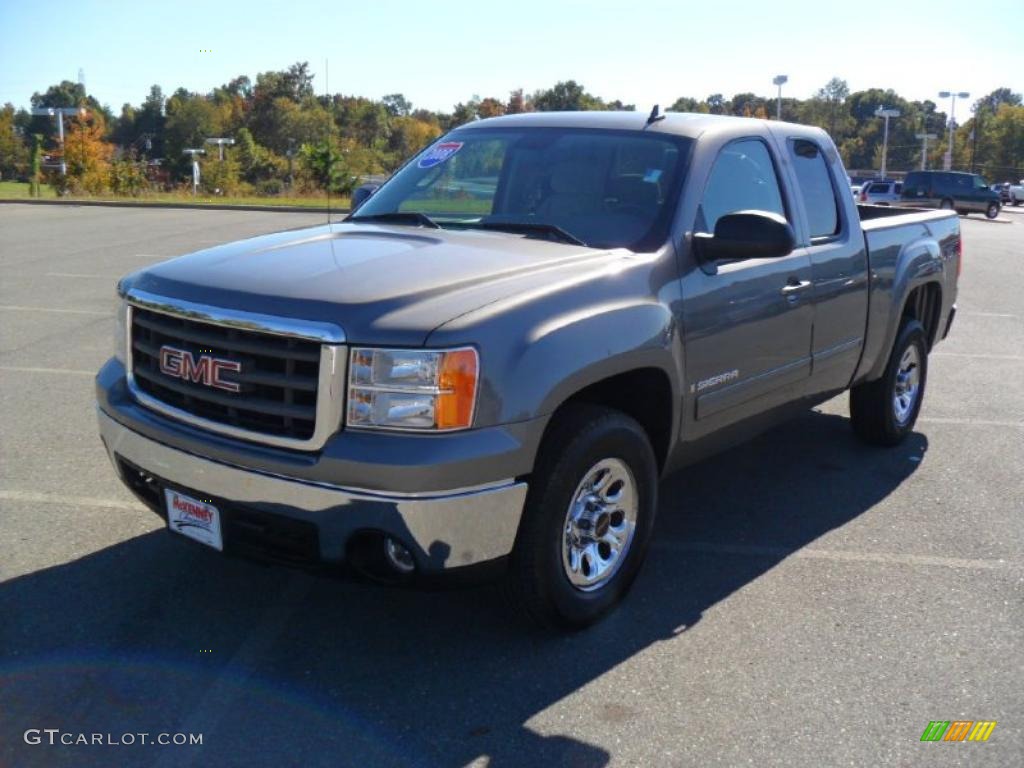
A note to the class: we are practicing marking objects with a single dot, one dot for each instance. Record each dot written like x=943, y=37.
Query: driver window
x=742, y=179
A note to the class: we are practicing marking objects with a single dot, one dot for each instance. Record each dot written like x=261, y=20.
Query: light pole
x=59, y=113
x=195, y=166
x=886, y=114
x=779, y=80
x=220, y=144
x=925, y=138
x=947, y=162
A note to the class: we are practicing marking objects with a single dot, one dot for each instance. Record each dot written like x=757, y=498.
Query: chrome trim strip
x=472, y=525
x=327, y=333
x=330, y=397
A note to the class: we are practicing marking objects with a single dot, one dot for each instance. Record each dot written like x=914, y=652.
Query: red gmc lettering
x=181, y=364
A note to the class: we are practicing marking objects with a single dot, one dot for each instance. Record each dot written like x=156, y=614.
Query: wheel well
x=924, y=305
x=644, y=394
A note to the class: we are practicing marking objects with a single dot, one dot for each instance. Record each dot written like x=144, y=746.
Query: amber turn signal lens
x=457, y=382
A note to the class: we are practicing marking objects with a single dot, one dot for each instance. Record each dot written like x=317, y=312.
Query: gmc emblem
x=181, y=364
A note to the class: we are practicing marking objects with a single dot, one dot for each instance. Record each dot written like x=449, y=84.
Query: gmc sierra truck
x=486, y=367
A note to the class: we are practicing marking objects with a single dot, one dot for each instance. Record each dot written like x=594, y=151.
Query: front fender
x=537, y=350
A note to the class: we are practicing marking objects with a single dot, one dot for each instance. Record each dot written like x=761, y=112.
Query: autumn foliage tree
x=87, y=157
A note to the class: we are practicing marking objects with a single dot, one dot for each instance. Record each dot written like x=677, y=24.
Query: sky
x=438, y=54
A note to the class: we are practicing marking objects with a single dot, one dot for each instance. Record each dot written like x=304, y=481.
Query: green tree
x=684, y=104
x=565, y=96
x=397, y=105
x=191, y=119
x=13, y=152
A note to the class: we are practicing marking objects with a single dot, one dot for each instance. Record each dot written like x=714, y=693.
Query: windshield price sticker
x=438, y=153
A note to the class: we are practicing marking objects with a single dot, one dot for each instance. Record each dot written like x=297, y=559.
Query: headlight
x=412, y=389
x=120, y=329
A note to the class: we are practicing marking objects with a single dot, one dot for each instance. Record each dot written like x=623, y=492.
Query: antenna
x=655, y=115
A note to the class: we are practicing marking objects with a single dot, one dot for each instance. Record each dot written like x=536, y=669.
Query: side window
x=742, y=179
x=816, y=188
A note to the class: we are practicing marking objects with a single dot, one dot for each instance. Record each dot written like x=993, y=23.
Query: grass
x=16, y=190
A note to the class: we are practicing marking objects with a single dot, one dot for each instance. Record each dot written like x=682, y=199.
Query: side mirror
x=746, y=235
x=363, y=193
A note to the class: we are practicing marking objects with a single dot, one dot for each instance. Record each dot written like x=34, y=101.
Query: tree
x=716, y=103
x=87, y=157
x=191, y=119
x=565, y=96
x=397, y=105
x=13, y=152
x=834, y=94
x=684, y=104
x=517, y=103
x=490, y=107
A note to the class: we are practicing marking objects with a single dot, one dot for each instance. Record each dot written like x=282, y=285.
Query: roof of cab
x=686, y=124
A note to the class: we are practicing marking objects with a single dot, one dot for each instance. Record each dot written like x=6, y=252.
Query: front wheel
x=946, y=205
x=992, y=211
x=883, y=412
x=587, y=520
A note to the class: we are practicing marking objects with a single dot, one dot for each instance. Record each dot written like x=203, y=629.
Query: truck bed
x=905, y=241
x=875, y=217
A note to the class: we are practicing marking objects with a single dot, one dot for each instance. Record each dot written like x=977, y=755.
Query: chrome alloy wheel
x=599, y=525
x=908, y=385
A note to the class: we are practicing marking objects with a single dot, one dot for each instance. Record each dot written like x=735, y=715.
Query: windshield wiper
x=528, y=227
x=399, y=217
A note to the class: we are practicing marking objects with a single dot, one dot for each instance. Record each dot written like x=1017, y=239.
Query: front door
x=747, y=323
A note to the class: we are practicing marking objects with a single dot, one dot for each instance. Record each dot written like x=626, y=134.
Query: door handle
x=793, y=288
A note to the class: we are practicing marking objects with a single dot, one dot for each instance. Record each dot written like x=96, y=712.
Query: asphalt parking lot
x=808, y=601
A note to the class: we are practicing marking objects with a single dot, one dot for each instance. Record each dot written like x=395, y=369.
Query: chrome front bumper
x=442, y=530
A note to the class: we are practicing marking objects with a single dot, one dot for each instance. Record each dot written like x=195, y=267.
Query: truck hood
x=382, y=284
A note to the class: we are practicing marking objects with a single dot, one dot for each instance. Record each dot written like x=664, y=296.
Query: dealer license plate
x=194, y=518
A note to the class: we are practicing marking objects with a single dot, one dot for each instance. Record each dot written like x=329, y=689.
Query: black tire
x=579, y=437
x=992, y=211
x=873, y=412
x=946, y=205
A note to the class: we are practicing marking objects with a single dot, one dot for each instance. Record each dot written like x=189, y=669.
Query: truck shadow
x=275, y=667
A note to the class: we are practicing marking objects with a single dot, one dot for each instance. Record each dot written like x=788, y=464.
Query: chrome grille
x=289, y=387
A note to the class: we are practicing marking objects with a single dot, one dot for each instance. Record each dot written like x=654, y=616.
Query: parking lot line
x=19, y=308
x=990, y=314
x=23, y=369
x=971, y=422
x=874, y=558
x=78, y=275
x=978, y=356
x=34, y=497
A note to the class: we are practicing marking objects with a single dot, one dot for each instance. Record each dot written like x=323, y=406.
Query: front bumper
x=442, y=530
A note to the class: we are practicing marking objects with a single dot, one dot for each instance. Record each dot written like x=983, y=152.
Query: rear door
x=747, y=322
x=839, y=265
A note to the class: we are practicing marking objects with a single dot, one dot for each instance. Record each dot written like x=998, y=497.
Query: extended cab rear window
x=816, y=188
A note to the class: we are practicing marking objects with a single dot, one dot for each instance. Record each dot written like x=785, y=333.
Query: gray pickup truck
x=486, y=367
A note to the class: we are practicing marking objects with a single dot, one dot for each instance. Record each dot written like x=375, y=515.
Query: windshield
x=606, y=189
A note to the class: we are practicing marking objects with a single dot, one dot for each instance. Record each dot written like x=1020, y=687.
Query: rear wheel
x=946, y=205
x=883, y=412
x=587, y=520
x=992, y=211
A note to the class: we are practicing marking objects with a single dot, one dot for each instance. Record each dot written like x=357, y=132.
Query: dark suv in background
x=963, y=192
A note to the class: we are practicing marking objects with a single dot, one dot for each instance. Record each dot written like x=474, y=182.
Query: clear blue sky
x=439, y=53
